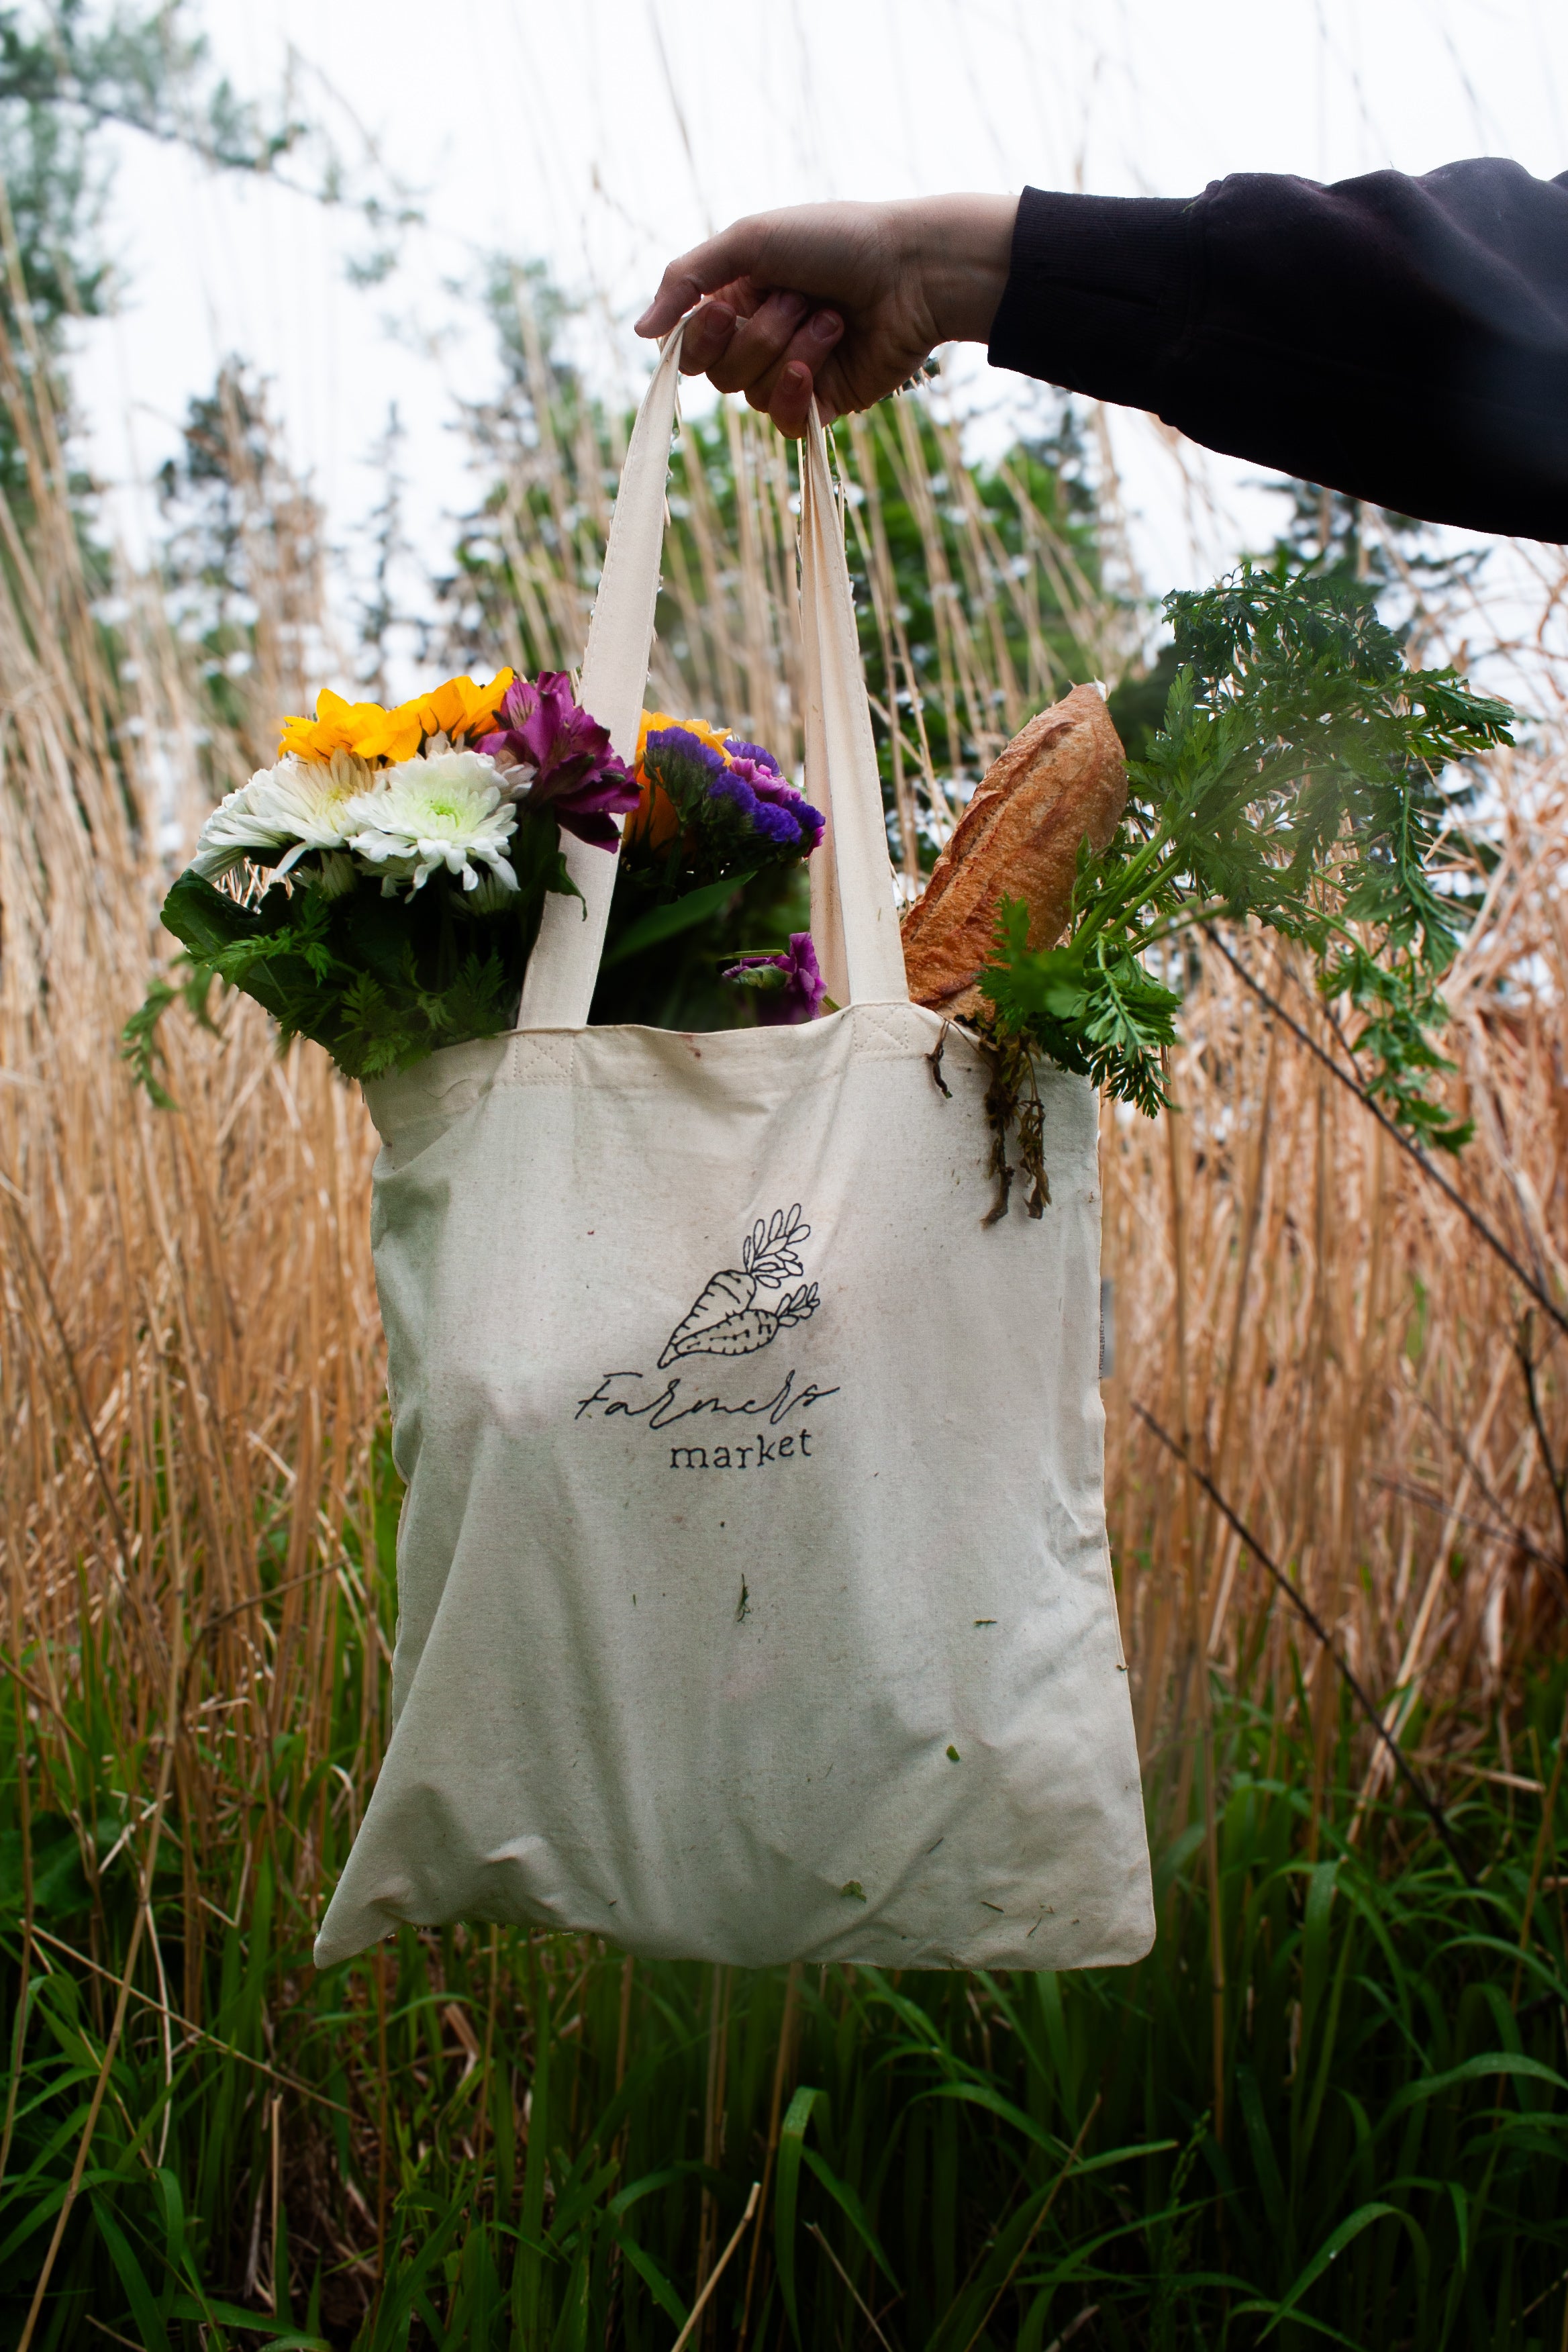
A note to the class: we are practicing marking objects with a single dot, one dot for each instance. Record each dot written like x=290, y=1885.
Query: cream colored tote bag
x=755, y=1591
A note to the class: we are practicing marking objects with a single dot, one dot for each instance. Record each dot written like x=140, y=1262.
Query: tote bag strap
x=558, y=985
x=854, y=911
x=854, y=917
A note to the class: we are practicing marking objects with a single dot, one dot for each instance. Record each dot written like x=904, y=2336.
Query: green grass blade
x=144, y=2303
x=661, y=923
x=648, y=2271
x=1349, y=2229
x=787, y=2193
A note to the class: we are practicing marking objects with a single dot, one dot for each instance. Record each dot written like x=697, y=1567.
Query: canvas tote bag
x=754, y=1596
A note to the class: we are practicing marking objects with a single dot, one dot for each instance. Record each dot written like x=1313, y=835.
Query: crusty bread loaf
x=1063, y=776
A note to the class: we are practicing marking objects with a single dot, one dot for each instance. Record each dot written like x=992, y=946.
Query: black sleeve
x=1402, y=340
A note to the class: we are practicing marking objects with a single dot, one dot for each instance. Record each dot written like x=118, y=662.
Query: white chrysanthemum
x=297, y=806
x=445, y=811
x=232, y=832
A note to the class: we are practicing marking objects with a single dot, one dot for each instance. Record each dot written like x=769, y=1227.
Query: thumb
x=703, y=271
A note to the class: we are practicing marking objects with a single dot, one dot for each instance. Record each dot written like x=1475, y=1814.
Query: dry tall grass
x=1344, y=1355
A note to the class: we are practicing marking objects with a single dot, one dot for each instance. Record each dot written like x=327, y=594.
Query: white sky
x=602, y=136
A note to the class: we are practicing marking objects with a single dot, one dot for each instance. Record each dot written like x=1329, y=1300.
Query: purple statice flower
x=556, y=760
x=764, y=782
x=762, y=818
x=678, y=743
x=772, y=788
x=769, y=809
x=732, y=806
x=754, y=752
x=788, y=987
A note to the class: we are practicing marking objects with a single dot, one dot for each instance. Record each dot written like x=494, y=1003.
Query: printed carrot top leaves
x=769, y=1251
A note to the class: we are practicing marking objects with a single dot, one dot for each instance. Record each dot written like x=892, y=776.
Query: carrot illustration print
x=726, y=1319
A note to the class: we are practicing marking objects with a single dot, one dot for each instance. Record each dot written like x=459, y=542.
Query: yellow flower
x=458, y=708
x=391, y=735
x=715, y=736
x=340, y=726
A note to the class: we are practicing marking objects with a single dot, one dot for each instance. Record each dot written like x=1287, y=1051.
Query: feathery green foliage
x=1297, y=780
x=380, y=982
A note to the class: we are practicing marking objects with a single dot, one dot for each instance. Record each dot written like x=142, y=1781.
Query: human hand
x=842, y=299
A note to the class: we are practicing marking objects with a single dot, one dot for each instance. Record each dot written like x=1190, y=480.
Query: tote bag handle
x=854, y=917
x=854, y=911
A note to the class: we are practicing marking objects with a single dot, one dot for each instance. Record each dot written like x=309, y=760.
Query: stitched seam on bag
x=886, y=1036
x=540, y=1061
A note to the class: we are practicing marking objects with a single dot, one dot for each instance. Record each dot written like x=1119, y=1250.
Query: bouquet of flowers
x=380, y=887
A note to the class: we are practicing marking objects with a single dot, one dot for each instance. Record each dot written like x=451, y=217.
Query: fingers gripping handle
x=854, y=911
x=558, y=986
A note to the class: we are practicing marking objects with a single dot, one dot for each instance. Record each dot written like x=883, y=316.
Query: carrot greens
x=1301, y=777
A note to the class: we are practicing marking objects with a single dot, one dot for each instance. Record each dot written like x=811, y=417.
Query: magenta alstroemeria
x=556, y=759
x=788, y=987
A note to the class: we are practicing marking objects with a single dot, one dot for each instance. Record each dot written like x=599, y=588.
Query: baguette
x=1063, y=777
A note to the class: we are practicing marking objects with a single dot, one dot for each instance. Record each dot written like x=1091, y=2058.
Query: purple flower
x=754, y=752
x=806, y=820
x=771, y=809
x=556, y=758
x=725, y=809
x=735, y=796
x=679, y=743
x=771, y=787
x=766, y=782
x=788, y=987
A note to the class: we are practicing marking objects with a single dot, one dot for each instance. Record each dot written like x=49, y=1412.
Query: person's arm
x=1403, y=340
x=845, y=299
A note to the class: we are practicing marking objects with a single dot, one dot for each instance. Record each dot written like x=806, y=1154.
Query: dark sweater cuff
x=1098, y=291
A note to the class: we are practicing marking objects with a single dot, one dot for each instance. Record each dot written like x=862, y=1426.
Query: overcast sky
x=601, y=136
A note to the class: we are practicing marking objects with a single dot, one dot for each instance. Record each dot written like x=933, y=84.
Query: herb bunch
x=1298, y=780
